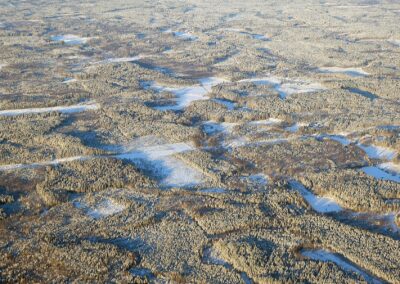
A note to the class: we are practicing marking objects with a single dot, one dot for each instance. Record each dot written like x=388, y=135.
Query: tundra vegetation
x=200, y=141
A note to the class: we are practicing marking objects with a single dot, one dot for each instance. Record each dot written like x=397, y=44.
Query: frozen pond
x=105, y=208
x=286, y=87
x=70, y=39
x=42, y=164
x=186, y=95
x=353, y=72
x=319, y=204
x=63, y=109
x=159, y=162
x=327, y=256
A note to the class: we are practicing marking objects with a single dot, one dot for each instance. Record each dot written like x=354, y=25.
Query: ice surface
x=327, y=256
x=63, y=109
x=319, y=204
x=353, y=72
x=70, y=39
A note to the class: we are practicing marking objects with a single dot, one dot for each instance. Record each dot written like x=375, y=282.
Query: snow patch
x=319, y=204
x=70, y=39
x=186, y=95
x=353, y=72
x=42, y=164
x=211, y=127
x=158, y=161
x=395, y=42
x=105, y=208
x=183, y=35
x=286, y=87
x=380, y=172
x=327, y=256
x=62, y=109
x=377, y=152
x=295, y=127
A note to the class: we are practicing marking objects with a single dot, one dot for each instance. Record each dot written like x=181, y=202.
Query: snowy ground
x=63, y=109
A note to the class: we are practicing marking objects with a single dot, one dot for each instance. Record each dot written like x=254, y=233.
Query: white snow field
x=382, y=172
x=63, y=109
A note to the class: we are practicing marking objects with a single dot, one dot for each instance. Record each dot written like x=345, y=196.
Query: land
x=200, y=141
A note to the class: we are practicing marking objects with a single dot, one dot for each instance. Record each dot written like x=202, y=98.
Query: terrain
x=200, y=141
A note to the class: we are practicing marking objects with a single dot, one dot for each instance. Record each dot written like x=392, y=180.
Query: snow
x=327, y=256
x=70, y=39
x=105, y=208
x=186, y=95
x=353, y=72
x=295, y=127
x=377, y=152
x=210, y=256
x=286, y=87
x=120, y=59
x=41, y=164
x=380, y=173
x=211, y=127
x=319, y=204
x=2, y=65
x=214, y=190
x=341, y=139
x=269, y=121
x=159, y=161
x=395, y=42
x=256, y=179
x=69, y=80
x=63, y=109
x=182, y=35
x=228, y=104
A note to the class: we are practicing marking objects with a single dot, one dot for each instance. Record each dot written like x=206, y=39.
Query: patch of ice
x=319, y=204
x=186, y=95
x=62, y=109
x=324, y=255
x=380, y=173
x=70, y=39
x=120, y=59
x=105, y=208
x=41, y=164
x=353, y=72
x=158, y=161
x=377, y=152
x=286, y=87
